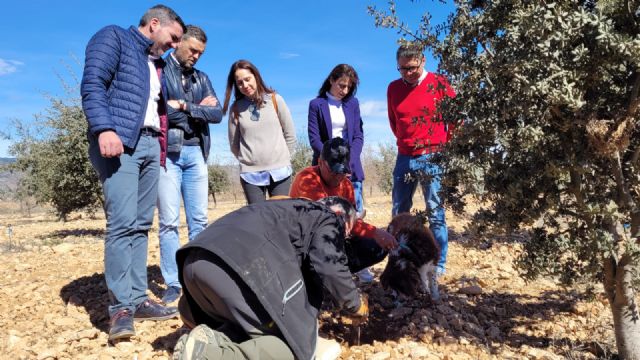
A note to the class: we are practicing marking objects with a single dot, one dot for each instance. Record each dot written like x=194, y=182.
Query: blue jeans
x=186, y=178
x=130, y=186
x=357, y=192
x=403, y=190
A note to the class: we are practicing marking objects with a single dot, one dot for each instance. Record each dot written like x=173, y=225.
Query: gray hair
x=410, y=51
x=165, y=14
x=196, y=33
x=342, y=205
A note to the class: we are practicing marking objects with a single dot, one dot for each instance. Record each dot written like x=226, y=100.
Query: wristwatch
x=183, y=104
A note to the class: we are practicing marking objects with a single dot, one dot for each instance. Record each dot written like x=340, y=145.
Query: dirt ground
x=53, y=301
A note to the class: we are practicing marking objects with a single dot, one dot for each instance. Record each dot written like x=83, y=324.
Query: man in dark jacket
x=122, y=98
x=192, y=106
x=257, y=276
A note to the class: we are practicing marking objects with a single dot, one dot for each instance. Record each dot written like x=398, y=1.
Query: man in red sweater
x=412, y=103
x=368, y=245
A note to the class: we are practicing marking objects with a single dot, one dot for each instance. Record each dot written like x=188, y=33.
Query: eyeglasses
x=406, y=69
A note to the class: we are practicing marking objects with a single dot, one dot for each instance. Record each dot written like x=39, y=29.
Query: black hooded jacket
x=285, y=251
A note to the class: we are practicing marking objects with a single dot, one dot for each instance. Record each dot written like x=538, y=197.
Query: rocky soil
x=53, y=302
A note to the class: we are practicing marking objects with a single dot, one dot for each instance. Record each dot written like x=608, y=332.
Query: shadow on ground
x=61, y=234
x=90, y=292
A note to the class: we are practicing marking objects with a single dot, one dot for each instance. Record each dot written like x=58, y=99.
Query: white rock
x=13, y=341
x=63, y=248
x=22, y=267
x=64, y=322
x=327, y=349
x=87, y=334
x=125, y=346
x=47, y=354
x=381, y=356
x=419, y=351
x=540, y=354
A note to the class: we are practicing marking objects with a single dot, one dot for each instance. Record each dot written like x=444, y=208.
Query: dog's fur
x=413, y=264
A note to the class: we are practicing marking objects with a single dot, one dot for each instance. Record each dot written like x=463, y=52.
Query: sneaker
x=171, y=295
x=194, y=345
x=150, y=310
x=365, y=276
x=121, y=325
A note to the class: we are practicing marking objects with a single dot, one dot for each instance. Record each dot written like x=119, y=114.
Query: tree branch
x=635, y=157
x=576, y=187
x=624, y=282
x=634, y=101
x=609, y=282
x=624, y=197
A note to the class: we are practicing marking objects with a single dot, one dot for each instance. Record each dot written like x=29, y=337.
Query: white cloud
x=9, y=66
x=286, y=55
x=373, y=108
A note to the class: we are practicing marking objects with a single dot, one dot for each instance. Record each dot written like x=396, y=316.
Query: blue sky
x=295, y=44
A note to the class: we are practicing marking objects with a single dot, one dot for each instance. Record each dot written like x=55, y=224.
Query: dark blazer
x=319, y=128
x=286, y=251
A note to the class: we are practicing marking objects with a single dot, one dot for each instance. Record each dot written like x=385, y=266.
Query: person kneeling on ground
x=256, y=276
x=368, y=245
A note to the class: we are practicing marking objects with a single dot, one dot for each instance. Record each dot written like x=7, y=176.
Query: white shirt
x=336, y=112
x=422, y=77
x=151, y=117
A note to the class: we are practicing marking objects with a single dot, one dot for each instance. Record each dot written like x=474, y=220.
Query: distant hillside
x=7, y=160
x=8, y=180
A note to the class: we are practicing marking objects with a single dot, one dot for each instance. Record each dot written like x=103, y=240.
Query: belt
x=148, y=131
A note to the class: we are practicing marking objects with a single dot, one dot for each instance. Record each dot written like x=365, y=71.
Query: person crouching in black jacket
x=257, y=274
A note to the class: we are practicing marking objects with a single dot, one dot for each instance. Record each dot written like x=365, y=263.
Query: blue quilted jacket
x=115, y=82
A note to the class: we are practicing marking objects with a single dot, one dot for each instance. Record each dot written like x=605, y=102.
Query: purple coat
x=319, y=128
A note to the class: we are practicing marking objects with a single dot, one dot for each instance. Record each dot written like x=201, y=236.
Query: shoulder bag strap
x=275, y=106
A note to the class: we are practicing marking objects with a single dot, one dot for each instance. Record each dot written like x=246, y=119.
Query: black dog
x=412, y=265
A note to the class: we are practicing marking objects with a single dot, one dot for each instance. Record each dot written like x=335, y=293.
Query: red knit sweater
x=411, y=114
x=308, y=184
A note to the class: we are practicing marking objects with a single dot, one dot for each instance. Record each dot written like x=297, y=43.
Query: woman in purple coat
x=336, y=113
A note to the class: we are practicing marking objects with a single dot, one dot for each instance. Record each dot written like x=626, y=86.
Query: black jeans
x=363, y=252
x=257, y=193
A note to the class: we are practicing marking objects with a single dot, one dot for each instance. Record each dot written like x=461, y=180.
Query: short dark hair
x=336, y=153
x=410, y=51
x=339, y=71
x=165, y=14
x=196, y=33
x=346, y=208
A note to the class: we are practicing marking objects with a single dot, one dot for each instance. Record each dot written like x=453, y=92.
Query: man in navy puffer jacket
x=123, y=102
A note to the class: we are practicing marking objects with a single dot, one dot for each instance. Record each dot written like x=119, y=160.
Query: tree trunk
x=626, y=318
